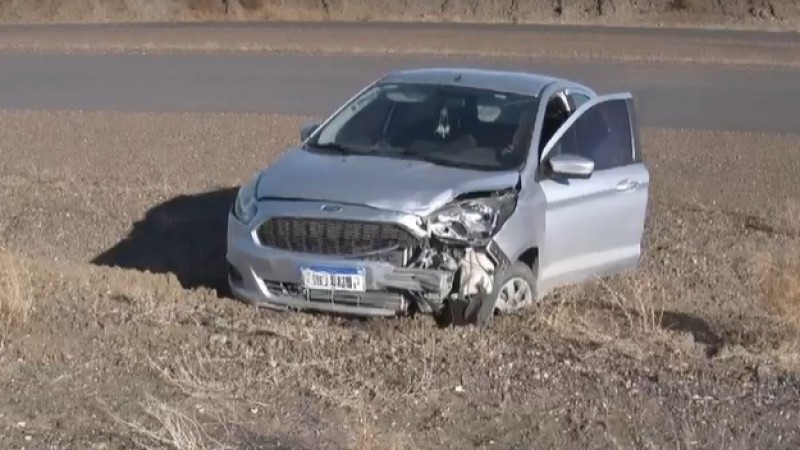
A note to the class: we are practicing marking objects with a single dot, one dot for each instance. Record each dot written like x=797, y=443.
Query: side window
x=603, y=134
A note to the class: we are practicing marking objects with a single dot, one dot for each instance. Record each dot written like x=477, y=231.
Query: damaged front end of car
x=460, y=243
x=359, y=259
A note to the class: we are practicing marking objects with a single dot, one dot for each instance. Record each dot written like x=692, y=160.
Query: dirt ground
x=698, y=349
x=760, y=14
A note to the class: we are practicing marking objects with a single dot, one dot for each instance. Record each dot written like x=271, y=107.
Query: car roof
x=527, y=83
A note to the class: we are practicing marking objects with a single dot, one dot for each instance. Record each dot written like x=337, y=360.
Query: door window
x=603, y=134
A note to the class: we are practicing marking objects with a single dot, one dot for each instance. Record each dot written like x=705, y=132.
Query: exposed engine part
x=472, y=267
x=447, y=262
x=440, y=259
x=425, y=258
x=476, y=274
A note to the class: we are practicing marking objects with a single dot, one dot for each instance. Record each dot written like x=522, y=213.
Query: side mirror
x=307, y=130
x=571, y=166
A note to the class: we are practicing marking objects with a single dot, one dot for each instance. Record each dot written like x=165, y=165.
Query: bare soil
x=112, y=226
x=761, y=14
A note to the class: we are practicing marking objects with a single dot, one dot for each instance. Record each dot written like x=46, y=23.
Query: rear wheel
x=513, y=292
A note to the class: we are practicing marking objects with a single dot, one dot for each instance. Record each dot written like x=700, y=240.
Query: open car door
x=596, y=189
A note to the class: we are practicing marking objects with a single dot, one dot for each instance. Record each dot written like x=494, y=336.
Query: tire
x=481, y=310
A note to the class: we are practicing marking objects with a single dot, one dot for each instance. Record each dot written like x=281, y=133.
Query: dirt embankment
x=775, y=14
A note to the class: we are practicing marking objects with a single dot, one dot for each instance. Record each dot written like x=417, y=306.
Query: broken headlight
x=473, y=221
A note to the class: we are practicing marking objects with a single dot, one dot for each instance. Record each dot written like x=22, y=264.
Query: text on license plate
x=334, y=278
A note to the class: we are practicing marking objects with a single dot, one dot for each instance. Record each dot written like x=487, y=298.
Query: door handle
x=627, y=185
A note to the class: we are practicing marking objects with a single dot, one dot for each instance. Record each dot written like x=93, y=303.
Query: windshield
x=448, y=125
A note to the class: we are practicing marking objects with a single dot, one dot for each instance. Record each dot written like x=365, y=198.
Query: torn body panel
x=470, y=272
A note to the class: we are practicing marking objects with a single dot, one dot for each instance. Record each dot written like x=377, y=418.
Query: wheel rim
x=515, y=294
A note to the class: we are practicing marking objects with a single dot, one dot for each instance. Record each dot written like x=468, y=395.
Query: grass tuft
x=780, y=282
x=778, y=279
x=779, y=274
x=16, y=293
x=604, y=312
x=636, y=302
x=176, y=429
x=626, y=313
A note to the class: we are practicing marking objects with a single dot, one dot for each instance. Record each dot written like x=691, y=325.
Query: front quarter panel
x=525, y=228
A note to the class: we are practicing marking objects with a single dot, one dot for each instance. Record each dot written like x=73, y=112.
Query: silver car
x=455, y=192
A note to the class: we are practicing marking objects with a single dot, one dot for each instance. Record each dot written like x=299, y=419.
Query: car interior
x=486, y=129
x=556, y=113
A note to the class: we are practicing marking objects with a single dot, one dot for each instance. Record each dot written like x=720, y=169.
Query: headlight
x=246, y=207
x=474, y=220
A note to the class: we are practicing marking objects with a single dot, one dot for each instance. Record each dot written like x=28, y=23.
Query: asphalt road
x=667, y=95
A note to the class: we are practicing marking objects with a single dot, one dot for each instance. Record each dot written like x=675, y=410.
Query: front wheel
x=513, y=292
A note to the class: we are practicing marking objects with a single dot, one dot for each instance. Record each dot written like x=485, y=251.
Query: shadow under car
x=185, y=236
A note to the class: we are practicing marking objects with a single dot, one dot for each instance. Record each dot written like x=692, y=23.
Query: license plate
x=328, y=278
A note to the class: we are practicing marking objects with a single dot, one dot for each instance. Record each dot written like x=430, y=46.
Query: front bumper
x=270, y=277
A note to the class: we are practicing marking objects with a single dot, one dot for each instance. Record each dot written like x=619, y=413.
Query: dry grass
x=16, y=294
x=182, y=428
x=206, y=383
x=624, y=313
x=781, y=285
x=778, y=278
x=789, y=221
x=603, y=312
x=780, y=274
x=175, y=429
x=638, y=303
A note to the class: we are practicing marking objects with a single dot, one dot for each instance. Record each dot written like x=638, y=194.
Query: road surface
x=705, y=97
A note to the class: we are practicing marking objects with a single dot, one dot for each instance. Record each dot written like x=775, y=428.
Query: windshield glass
x=447, y=125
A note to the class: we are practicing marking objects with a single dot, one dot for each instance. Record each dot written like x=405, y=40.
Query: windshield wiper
x=422, y=156
x=335, y=147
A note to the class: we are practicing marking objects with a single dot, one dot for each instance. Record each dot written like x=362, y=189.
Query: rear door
x=594, y=225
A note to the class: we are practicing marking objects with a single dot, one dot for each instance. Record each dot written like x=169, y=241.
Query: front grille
x=333, y=237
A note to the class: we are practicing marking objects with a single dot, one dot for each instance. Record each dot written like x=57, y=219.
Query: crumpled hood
x=395, y=184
